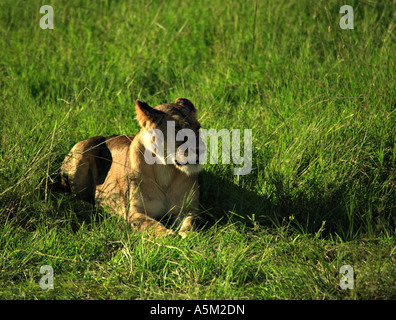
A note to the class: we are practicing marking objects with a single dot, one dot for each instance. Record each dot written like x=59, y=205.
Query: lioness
x=113, y=172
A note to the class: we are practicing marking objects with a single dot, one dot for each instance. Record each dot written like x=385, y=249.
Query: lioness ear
x=144, y=113
x=186, y=103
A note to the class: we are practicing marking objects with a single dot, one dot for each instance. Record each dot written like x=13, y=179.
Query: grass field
x=320, y=101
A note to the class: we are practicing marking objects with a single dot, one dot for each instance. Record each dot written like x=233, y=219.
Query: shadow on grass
x=222, y=202
x=335, y=213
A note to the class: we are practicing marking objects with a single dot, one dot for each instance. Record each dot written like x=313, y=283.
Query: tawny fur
x=112, y=173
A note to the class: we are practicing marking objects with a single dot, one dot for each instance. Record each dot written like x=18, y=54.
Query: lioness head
x=171, y=134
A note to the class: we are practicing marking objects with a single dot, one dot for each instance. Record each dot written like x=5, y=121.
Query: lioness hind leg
x=79, y=169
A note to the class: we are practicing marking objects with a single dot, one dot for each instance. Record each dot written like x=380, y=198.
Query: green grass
x=320, y=101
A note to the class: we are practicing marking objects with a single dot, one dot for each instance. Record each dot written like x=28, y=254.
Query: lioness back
x=89, y=161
